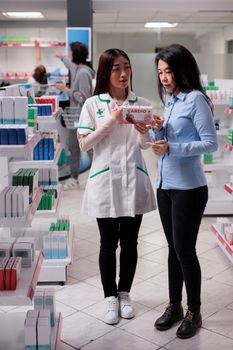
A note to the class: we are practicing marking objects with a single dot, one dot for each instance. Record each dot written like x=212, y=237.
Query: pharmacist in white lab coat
x=118, y=190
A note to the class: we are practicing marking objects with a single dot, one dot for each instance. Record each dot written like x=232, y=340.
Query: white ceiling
x=194, y=16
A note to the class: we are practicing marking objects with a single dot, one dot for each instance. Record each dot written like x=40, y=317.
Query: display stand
x=223, y=244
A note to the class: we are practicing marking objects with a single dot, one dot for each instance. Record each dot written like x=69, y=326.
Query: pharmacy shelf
x=222, y=132
x=26, y=285
x=24, y=221
x=12, y=331
x=48, y=123
x=228, y=188
x=219, y=202
x=52, y=270
x=223, y=244
x=224, y=165
x=55, y=270
x=33, y=45
x=228, y=147
x=228, y=110
x=20, y=151
x=55, y=210
x=14, y=165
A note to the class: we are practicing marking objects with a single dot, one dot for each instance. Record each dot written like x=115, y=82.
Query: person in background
x=80, y=89
x=118, y=190
x=186, y=133
x=39, y=78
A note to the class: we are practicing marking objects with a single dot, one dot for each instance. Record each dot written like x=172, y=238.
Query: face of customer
x=166, y=77
x=120, y=74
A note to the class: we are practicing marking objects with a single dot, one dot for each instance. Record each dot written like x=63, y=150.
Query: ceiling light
x=160, y=25
x=23, y=14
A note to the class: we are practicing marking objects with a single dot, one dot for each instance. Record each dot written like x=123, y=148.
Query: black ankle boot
x=190, y=325
x=173, y=313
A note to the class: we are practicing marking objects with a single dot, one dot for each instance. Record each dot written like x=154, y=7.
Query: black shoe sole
x=161, y=328
x=184, y=336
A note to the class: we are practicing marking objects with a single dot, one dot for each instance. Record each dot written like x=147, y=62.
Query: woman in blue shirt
x=186, y=132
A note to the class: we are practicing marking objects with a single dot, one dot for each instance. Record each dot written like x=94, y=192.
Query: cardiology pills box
x=137, y=114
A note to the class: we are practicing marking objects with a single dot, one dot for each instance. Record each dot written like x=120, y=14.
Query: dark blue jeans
x=112, y=230
x=181, y=212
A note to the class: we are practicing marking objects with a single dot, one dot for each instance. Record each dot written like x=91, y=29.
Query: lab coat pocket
x=98, y=189
x=145, y=193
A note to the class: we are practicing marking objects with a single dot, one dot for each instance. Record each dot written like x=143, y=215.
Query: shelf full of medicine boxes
x=49, y=123
x=222, y=242
x=218, y=173
x=52, y=270
x=12, y=331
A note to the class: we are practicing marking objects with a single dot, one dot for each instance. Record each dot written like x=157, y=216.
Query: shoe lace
x=112, y=305
x=189, y=316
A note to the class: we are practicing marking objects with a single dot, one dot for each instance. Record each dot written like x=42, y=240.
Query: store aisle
x=81, y=300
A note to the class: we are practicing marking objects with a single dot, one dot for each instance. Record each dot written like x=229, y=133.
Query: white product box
x=45, y=313
x=3, y=201
x=8, y=110
x=62, y=245
x=43, y=333
x=39, y=299
x=137, y=114
x=53, y=176
x=32, y=313
x=21, y=109
x=30, y=240
x=23, y=250
x=30, y=333
x=54, y=245
x=23, y=200
x=45, y=176
x=47, y=246
x=49, y=303
x=5, y=249
x=9, y=204
x=15, y=201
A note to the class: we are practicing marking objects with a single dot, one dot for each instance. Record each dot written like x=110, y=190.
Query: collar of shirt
x=132, y=98
x=172, y=99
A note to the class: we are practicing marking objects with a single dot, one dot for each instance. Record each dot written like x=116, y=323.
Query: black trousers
x=181, y=212
x=112, y=230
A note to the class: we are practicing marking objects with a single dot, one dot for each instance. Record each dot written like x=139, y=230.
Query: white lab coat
x=118, y=183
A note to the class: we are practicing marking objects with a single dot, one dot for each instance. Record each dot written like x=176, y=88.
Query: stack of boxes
x=225, y=228
x=230, y=137
x=55, y=244
x=27, y=177
x=14, y=201
x=44, y=150
x=38, y=322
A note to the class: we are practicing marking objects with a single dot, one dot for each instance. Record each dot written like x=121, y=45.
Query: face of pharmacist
x=166, y=77
x=120, y=73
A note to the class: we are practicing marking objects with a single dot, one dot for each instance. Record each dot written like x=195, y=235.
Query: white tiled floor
x=81, y=299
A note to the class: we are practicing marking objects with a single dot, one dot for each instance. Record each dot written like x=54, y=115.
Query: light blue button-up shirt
x=190, y=132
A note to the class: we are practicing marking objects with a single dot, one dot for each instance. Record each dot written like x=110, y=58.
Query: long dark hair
x=186, y=73
x=104, y=70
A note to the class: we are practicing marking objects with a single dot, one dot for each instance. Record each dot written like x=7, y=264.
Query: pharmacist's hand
x=142, y=128
x=157, y=122
x=58, y=54
x=117, y=114
x=61, y=87
x=160, y=147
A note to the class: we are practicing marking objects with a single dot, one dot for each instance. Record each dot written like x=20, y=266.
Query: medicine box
x=137, y=114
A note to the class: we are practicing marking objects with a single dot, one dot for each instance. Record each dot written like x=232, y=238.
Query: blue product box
x=36, y=152
x=21, y=136
x=4, y=136
x=41, y=149
x=46, y=148
x=12, y=136
x=51, y=149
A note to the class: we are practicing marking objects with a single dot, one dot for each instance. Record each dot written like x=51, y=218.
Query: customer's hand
x=61, y=87
x=58, y=54
x=142, y=128
x=160, y=147
x=157, y=122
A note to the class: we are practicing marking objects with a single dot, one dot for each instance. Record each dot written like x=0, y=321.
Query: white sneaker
x=111, y=316
x=126, y=308
x=71, y=184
